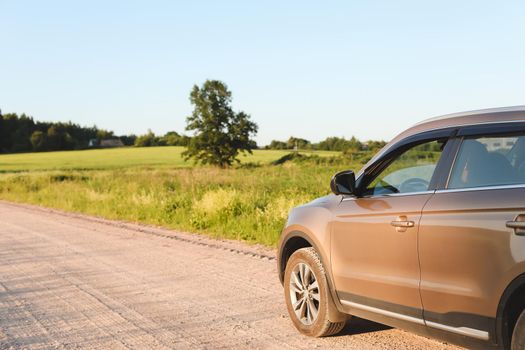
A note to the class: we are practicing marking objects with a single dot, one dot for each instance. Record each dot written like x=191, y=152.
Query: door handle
x=518, y=226
x=402, y=224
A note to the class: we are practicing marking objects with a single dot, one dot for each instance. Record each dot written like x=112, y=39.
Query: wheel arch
x=298, y=239
x=293, y=241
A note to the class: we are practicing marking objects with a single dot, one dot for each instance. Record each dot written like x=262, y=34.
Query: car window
x=489, y=161
x=410, y=172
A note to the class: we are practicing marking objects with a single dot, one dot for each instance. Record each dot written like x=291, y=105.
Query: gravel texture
x=69, y=281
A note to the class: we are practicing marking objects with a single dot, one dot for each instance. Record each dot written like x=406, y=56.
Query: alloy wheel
x=304, y=294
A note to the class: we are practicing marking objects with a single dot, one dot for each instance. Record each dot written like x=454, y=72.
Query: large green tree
x=220, y=134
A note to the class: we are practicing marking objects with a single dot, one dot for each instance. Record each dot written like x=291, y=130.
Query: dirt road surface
x=75, y=282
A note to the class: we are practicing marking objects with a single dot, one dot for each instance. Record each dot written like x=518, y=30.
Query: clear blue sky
x=304, y=68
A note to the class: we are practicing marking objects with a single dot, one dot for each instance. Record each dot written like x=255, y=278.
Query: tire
x=310, y=304
x=518, y=335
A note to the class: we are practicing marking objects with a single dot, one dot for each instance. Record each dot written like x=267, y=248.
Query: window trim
x=492, y=129
x=458, y=142
x=481, y=188
x=445, y=164
x=388, y=195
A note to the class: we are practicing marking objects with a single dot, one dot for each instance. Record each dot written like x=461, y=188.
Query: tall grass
x=247, y=203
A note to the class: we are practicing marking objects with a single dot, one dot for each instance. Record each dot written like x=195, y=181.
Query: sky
x=307, y=69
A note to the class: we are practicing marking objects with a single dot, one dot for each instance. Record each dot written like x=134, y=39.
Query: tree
x=355, y=144
x=172, y=138
x=38, y=140
x=21, y=132
x=128, y=140
x=374, y=146
x=104, y=135
x=334, y=144
x=298, y=142
x=275, y=144
x=59, y=139
x=220, y=134
x=147, y=140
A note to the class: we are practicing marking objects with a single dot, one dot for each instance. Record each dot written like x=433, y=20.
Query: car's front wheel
x=308, y=297
x=518, y=335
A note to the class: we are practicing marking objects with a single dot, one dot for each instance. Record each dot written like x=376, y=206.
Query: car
x=429, y=237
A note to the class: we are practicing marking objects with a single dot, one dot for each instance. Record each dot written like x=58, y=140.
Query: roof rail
x=475, y=112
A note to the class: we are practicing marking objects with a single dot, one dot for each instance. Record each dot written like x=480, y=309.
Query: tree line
x=21, y=133
x=219, y=134
x=339, y=144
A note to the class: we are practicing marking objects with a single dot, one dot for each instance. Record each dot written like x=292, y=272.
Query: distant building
x=93, y=143
x=109, y=143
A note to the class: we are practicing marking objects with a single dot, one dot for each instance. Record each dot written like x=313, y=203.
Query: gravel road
x=69, y=281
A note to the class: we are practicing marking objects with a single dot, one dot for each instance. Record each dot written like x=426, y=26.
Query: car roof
x=476, y=116
x=482, y=116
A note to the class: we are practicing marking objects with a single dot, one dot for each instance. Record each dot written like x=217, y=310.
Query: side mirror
x=343, y=183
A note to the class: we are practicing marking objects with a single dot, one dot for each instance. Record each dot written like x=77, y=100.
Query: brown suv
x=429, y=236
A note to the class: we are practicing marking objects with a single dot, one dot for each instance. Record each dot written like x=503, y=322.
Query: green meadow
x=154, y=185
x=119, y=158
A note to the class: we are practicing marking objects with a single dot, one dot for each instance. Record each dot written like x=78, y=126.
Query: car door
x=471, y=240
x=374, y=252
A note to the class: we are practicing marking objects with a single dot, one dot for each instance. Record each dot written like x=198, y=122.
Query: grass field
x=118, y=158
x=154, y=186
